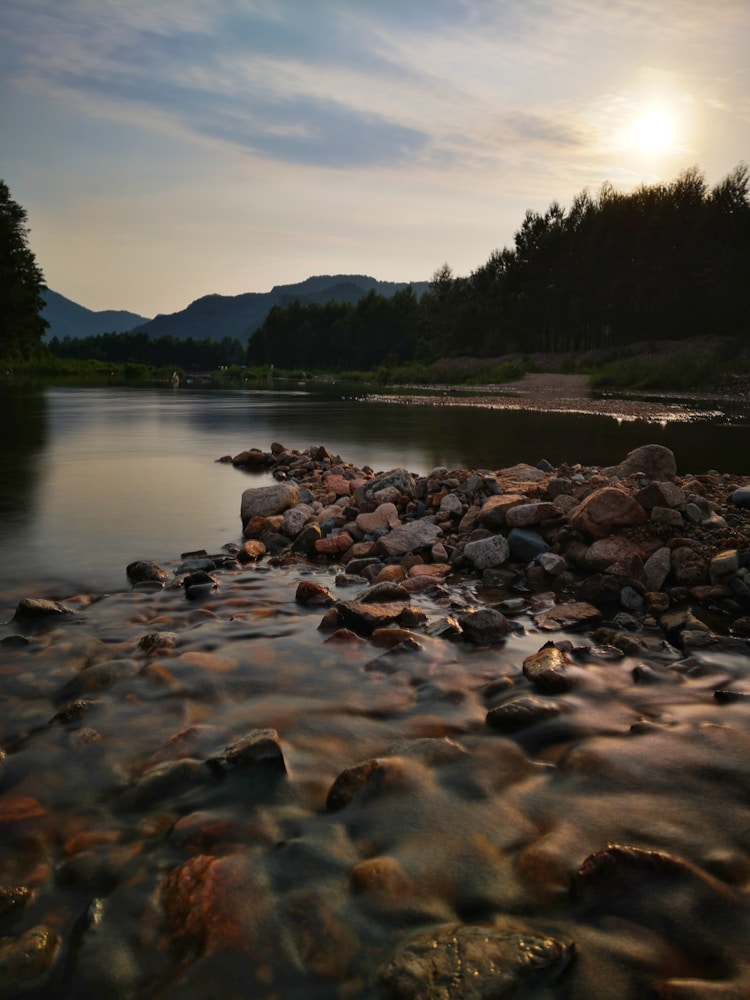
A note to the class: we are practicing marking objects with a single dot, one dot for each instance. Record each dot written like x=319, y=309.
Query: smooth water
x=134, y=864
x=93, y=478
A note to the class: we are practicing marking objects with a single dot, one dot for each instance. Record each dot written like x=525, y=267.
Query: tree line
x=667, y=261
x=160, y=352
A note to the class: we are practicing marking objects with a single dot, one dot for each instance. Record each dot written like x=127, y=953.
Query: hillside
x=217, y=316
x=68, y=319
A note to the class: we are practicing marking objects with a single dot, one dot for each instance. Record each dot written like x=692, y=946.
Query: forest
x=666, y=261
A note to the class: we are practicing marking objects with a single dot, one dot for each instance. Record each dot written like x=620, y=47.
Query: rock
x=338, y=485
x=526, y=545
x=409, y=537
x=521, y=713
x=654, y=461
x=689, y=567
x=265, y=501
x=334, y=545
x=723, y=565
x=253, y=459
x=666, y=516
x=741, y=497
x=526, y=514
x=484, y=626
x=487, y=552
x=606, y=551
x=250, y=551
x=313, y=594
x=657, y=568
x=384, y=591
x=570, y=617
x=605, y=510
x=306, y=540
x=660, y=494
x=364, y=781
x=35, y=610
x=157, y=642
x=674, y=623
x=295, y=519
x=324, y=943
x=365, y=618
x=451, y=504
x=547, y=670
x=383, y=518
x=143, y=571
x=397, y=479
x=494, y=512
x=28, y=961
x=200, y=584
x=258, y=749
x=474, y=962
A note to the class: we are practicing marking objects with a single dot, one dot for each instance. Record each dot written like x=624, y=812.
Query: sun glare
x=653, y=132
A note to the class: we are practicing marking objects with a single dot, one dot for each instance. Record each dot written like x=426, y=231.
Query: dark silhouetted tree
x=21, y=283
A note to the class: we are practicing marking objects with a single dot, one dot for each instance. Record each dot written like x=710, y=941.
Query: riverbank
x=457, y=734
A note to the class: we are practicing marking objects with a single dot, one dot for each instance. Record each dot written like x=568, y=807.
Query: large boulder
x=653, y=461
x=266, y=501
x=604, y=511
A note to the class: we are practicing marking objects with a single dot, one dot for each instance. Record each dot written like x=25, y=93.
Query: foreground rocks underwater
x=475, y=734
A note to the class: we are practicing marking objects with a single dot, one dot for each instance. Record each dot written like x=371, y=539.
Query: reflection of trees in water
x=23, y=418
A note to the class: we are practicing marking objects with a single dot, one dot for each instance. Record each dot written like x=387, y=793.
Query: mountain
x=217, y=316
x=67, y=319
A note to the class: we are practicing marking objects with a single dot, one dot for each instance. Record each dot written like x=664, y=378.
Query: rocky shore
x=630, y=547
x=474, y=734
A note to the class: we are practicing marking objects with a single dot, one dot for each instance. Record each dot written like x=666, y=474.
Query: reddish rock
x=333, y=545
x=313, y=594
x=254, y=527
x=493, y=513
x=604, y=511
x=338, y=485
x=653, y=461
x=439, y=570
x=689, y=567
x=547, y=670
x=601, y=554
x=576, y=615
x=252, y=549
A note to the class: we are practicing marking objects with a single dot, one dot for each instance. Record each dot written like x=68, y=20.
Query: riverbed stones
x=494, y=512
x=526, y=514
x=526, y=545
x=570, y=617
x=146, y=571
x=27, y=962
x=265, y=501
x=474, y=962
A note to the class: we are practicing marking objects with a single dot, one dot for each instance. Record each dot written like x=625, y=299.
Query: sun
x=653, y=131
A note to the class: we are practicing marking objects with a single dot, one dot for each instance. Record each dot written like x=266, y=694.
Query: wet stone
x=547, y=670
x=474, y=962
x=144, y=571
x=574, y=616
x=33, y=610
x=260, y=748
x=313, y=594
x=521, y=713
x=484, y=626
x=27, y=962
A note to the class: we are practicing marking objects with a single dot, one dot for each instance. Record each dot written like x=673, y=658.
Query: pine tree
x=21, y=284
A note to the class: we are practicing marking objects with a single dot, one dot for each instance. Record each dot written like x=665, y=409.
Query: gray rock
x=410, y=536
x=36, y=610
x=657, y=568
x=295, y=519
x=487, y=552
x=654, y=461
x=265, y=501
x=741, y=497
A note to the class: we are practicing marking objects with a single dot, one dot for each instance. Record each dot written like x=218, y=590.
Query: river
x=156, y=843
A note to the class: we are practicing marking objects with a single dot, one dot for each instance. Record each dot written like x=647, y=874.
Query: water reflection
x=94, y=478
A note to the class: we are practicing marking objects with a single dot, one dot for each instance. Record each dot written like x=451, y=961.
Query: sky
x=165, y=151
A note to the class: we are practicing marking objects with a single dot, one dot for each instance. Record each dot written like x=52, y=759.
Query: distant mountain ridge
x=213, y=317
x=68, y=319
x=217, y=316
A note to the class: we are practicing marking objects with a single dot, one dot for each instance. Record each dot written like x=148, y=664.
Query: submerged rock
x=474, y=962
